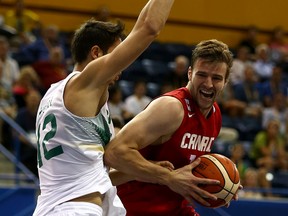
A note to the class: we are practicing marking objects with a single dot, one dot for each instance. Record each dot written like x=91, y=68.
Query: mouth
x=207, y=94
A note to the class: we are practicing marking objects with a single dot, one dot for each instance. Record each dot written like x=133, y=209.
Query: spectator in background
x=40, y=49
x=263, y=65
x=10, y=67
x=250, y=40
x=230, y=106
x=236, y=114
x=278, y=111
x=166, y=87
x=103, y=14
x=7, y=102
x=178, y=75
x=136, y=102
x=248, y=92
x=268, y=149
x=27, y=81
x=52, y=70
x=8, y=107
x=23, y=20
x=277, y=44
x=268, y=153
x=240, y=62
x=274, y=85
x=237, y=155
x=26, y=118
x=116, y=105
x=250, y=183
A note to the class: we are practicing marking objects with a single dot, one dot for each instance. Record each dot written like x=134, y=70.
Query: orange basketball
x=216, y=166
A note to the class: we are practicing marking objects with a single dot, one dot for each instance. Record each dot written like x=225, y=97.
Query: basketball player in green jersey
x=73, y=124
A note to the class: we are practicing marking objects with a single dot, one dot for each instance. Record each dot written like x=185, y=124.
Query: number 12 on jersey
x=48, y=154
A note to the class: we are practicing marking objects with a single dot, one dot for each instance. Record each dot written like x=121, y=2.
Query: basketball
x=216, y=166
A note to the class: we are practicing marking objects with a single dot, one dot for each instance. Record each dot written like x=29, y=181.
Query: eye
x=218, y=78
x=202, y=74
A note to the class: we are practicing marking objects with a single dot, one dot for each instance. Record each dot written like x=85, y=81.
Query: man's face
x=207, y=80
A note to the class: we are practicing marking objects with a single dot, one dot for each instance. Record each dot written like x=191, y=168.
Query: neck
x=206, y=112
x=79, y=67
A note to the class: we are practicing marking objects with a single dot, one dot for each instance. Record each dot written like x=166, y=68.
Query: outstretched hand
x=186, y=184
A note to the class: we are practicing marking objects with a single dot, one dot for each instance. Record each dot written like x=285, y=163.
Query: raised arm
x=147, y=27
x=100, y=68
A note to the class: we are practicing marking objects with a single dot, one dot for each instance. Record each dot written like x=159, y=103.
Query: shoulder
x=167, y=105
x=162, y=116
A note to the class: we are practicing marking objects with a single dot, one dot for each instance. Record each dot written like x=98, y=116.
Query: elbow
x=109, y=158
x=112, y=156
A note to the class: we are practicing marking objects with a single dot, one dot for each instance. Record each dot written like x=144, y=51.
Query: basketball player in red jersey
x=177, y=127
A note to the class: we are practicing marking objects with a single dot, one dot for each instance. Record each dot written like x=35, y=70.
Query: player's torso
x=194, y=137
x=70, y=149
x=57, y=128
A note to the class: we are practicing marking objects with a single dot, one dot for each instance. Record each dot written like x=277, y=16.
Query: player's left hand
x=165, y=164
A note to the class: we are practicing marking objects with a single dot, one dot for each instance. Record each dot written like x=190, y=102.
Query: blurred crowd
x=254, y=103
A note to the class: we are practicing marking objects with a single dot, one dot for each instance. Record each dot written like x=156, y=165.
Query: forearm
x=133, y=164
x=154, y=14
x=119, y=178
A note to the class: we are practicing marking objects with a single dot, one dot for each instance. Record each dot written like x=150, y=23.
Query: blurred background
x=189, y=22
x=35, y=41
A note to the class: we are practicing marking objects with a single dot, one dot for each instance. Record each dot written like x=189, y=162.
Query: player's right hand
x=185, y=183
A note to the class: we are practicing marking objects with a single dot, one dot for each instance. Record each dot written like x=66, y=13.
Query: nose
x=208, y=82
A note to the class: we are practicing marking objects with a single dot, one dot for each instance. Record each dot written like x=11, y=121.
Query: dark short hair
x=93, y=32
x=213, y=51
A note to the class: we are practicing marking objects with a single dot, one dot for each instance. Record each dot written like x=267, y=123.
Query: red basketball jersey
x=193, y=138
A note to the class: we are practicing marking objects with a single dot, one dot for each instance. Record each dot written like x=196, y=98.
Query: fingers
x=194, y=196
x=205, y=194
x=195, y=163
x=236, y=196
x=200, y=195
x=204, y=181
x=240, y=187
x=167, y=165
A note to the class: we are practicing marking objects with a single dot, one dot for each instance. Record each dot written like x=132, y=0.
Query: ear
x=189, y=73
x=96, y=52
